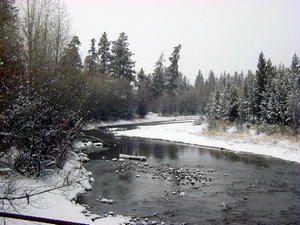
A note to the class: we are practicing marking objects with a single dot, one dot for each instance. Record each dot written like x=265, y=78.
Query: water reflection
x=252, y=184
x=245, y=158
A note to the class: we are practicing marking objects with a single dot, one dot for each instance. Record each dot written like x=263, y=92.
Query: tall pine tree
x=11, y=61
x=71, y=60
x=122, y=65
x=104, y=54
x=158, y=75
x=91, y=61
x=261, y=79
x=172, y=74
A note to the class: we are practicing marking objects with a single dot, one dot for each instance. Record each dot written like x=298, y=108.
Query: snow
x=151, y=117
x=197, y=135
x=58, y=203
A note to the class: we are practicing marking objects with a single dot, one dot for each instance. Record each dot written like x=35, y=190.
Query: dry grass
x=245, y=134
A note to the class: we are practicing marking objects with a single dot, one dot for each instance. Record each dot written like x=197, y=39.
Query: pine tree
x=295, y=65
x=261, y=79
x=275, y=100
x=294, y=97
x=214, y=109
x=11, y=61
x=104, y=54
x=233, y=104
x=211, y=82
x=71, y=59
x=199, y=81
x=143, y=93
x=91, y=61
x=121, y=62
x=158, y=78
x=172, y=74
x=248, y=100
x=141, y=76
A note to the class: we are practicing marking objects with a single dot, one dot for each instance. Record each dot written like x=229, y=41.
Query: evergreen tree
x=70, y=84
x=91, y=61
x=247, y=101
x=104, y=54
x=199, y=82
x=172, y=74
x=201, y=92
x=275, y=100
x=214, y=110
x=121, y=62
x=141, y=76
x=211, y=82
x=295, y=65
x=261, y=79
x=233, y=104
x=158, y=78
x=71, y=60
x=143, y=95
x=270, y=72
x=11, y=60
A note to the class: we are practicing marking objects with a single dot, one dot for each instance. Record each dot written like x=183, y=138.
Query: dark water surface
x=242, y=189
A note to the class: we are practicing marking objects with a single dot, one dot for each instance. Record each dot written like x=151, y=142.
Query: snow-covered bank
x=57, y=203
x=198, y=135
x=150, y=118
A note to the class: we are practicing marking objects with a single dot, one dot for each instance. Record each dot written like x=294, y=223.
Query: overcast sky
x=215, y=35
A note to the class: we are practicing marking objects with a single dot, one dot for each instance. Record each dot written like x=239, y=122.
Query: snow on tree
x=104, y=54
x=158, y=75
x=295, y=65
x=247, y=100
x=172, y=73
x=71, y=59
x=261, y=79
x=91, y=60
x=121, y=62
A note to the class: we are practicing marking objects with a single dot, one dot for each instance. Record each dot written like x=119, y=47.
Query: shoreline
x=211, y=148
x=59, y=203
x=188, y=133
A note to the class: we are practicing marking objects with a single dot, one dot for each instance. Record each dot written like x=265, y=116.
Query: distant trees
x=268, y=96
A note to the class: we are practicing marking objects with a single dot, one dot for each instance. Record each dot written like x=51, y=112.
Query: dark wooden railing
x=38, y=219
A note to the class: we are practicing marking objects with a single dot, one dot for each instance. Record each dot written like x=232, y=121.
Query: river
x=187, y=184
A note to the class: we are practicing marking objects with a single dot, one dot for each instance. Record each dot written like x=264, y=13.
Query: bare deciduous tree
x=45, y=29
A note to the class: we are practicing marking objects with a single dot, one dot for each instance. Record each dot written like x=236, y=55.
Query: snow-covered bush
x=42, y=132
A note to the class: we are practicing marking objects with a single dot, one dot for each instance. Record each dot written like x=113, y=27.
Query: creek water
x=234, y=188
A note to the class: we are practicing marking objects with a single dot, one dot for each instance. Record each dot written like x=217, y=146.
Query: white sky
x=215, y=35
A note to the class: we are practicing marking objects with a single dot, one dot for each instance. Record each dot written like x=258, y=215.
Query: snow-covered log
x=132, y=157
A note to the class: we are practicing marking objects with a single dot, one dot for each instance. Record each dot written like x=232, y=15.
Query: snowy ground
x=151, y=117
x=56, y=204
x=198, y=135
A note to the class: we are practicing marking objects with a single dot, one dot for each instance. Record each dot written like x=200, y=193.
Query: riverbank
x=189, y=133
x=58, y=201
x=150, y=118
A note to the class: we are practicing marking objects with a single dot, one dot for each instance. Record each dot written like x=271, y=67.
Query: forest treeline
x=47, y=93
